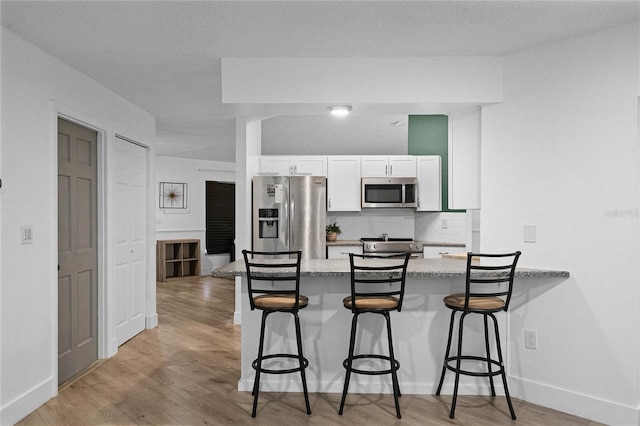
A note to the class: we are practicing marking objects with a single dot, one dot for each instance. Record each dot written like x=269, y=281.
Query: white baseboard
x=379, y=387
x=20, y=407
x=151, y=321
x=573, y=403
x=237, y=318
x=557, y=399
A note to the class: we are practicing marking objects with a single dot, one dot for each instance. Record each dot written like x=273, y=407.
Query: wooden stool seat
x=376, y=303
x=279, y=301
x=456, y=301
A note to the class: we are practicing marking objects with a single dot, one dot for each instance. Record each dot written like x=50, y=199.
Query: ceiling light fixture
x=340, y=110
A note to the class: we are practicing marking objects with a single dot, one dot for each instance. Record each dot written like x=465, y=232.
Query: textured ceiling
x=164, y=56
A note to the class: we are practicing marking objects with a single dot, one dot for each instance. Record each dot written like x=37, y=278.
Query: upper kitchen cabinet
x=388, y=166
x=343, y=183
x=293, y=166
x=429, y=183
x=464, y=160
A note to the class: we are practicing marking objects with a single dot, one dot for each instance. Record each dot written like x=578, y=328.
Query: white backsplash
x=398, y=223
x=401, y=223
x=430, y=227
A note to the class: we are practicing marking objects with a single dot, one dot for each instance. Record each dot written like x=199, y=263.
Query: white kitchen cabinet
x=436, y=252
x=464, y=160
x=375, y=165
x=343, y=183
x=429, y=183
x=388, y=166
x=310, y=165
x=293, y=165
x=340, y=252
x=402, y=166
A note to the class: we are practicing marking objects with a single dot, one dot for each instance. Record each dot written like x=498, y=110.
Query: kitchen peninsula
x=420, y=329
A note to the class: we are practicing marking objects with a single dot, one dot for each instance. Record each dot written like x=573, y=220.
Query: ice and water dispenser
x=268, y=222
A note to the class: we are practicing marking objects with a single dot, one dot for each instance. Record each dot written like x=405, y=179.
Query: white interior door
x=130, y=233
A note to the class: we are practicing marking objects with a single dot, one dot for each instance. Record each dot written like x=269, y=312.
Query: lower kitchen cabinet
x=338, y=252
x=436, y=252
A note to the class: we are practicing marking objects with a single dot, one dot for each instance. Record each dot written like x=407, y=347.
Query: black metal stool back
x=263, y=270
x=377, y=286
x=488, y=288
x=486, y=282
x=377, y=282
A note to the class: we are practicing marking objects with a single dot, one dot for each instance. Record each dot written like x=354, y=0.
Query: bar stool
x=281, y=267
x=489, y=282
x=377, y=286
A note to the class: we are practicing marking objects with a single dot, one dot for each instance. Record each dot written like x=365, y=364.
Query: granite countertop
x=338, y=243
x=442, y=244
x=347, y=242
x=418, y=268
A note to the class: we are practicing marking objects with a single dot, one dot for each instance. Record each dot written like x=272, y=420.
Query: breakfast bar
x=420, y=329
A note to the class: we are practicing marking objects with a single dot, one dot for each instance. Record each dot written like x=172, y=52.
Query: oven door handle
x=414, y=255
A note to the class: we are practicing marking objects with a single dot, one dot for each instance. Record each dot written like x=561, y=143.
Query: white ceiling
x=164, y=56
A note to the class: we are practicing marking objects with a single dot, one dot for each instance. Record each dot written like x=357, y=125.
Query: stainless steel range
x=386, y=246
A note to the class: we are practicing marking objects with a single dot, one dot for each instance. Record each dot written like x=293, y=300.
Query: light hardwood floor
x=185, y=372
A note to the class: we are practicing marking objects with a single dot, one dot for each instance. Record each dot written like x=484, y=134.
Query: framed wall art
x=173, y=195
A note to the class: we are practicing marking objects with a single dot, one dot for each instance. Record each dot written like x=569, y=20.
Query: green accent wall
x=429, y=135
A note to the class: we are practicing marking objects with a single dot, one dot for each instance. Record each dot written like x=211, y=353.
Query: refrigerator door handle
x=291, y=236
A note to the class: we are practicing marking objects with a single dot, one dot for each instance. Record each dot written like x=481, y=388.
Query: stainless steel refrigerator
x=290, y=213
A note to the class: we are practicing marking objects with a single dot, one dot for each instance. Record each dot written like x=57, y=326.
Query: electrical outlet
x=530, y=339
x=444, y=223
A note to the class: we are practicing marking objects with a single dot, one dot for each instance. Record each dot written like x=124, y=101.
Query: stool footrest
x=394, y=367
x=305, y=364
x=454, y=359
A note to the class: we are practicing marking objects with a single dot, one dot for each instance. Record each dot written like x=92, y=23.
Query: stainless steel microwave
x=389, y=192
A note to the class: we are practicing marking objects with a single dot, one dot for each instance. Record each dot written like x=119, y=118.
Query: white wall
x=561, y=152
x=35, y=87
x=172, y=224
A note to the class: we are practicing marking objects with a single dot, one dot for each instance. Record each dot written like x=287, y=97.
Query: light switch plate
x=26, y=234
x=529, y=233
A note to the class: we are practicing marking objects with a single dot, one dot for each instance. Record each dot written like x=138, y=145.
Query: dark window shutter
x=220, y=212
